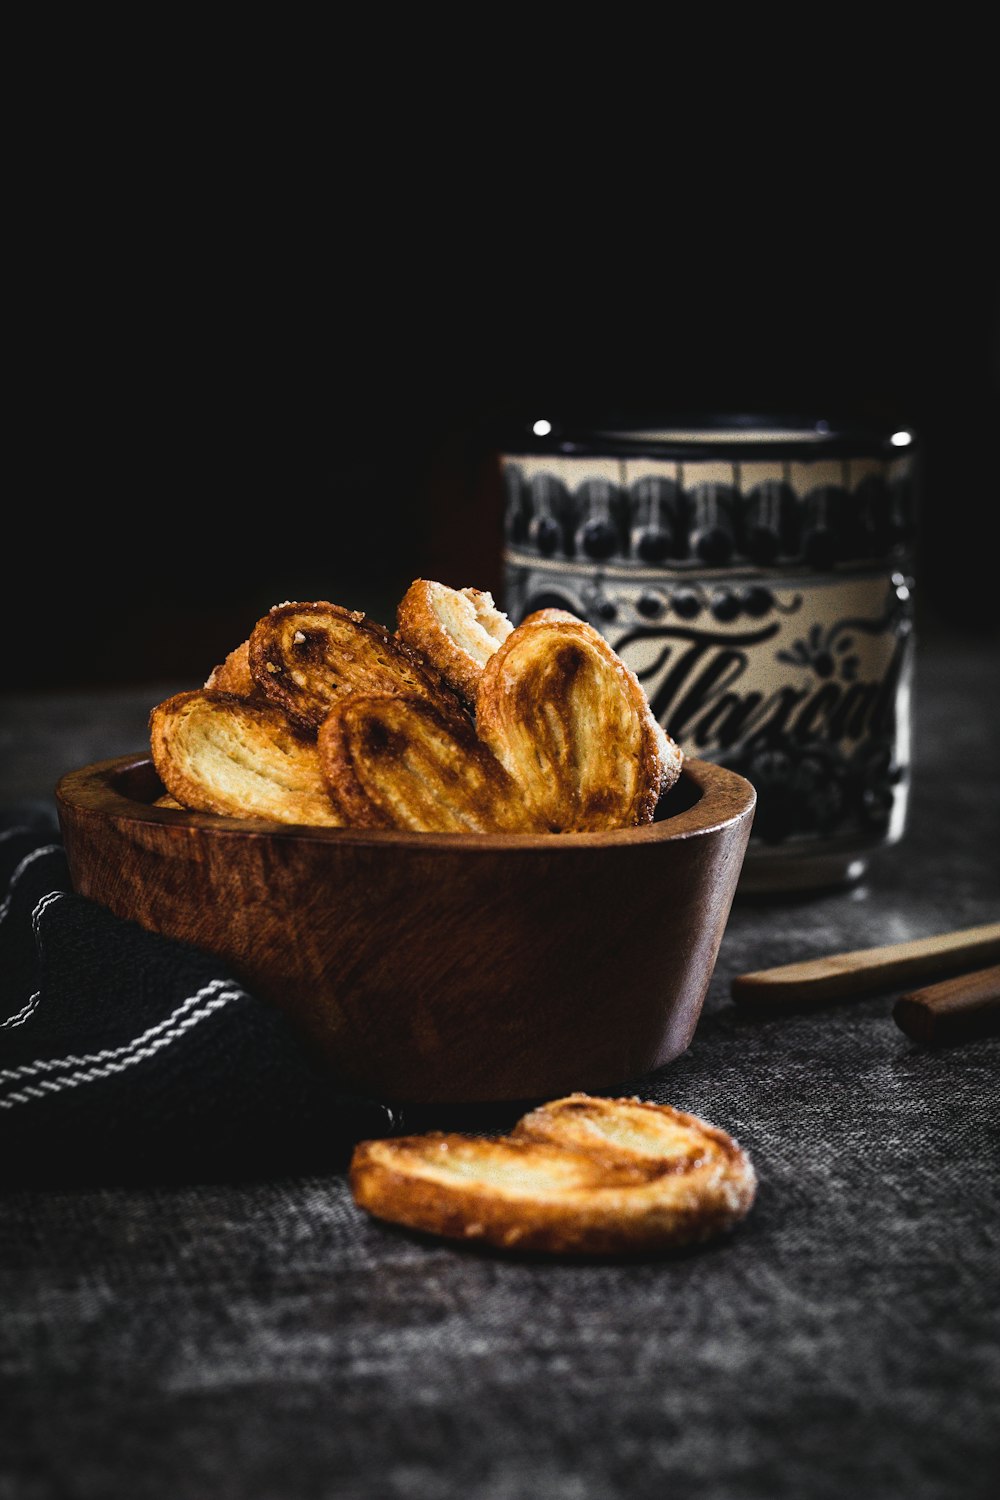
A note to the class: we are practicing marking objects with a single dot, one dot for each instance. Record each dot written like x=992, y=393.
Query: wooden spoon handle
x=954, y=1011
x=842, y=975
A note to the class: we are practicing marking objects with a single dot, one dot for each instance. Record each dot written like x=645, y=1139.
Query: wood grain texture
x=437, y=967
x=863, y=971
x=956, y=1010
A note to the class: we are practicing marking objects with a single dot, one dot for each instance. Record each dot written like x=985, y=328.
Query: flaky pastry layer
x=233, y=674
x=456, y=630
x=217, y=753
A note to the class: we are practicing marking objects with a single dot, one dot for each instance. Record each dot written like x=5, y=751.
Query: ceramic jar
x=756, y=574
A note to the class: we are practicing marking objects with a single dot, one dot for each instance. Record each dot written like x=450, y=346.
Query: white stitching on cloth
x=26, y=861
x=20, y=1016
x=125, y=1057
x=42, y=905
x=49, y=1065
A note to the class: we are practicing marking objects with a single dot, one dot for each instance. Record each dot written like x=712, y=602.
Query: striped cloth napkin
x=126, y=1056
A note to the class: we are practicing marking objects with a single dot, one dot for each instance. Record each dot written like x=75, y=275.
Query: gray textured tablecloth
x=266, y=1341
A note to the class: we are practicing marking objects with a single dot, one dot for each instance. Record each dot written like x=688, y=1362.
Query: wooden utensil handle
x=865, y=970
x=955, y=1010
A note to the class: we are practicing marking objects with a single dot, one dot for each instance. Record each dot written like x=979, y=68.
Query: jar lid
x=689, y=435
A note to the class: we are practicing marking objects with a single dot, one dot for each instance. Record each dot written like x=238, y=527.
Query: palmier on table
x=636, y=1177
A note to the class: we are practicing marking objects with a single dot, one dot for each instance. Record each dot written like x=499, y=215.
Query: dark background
x=215, y=418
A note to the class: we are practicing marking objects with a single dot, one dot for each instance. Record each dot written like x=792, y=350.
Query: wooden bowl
x=437, y=967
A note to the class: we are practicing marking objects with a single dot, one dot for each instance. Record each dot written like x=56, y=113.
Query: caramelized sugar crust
x=233, y=674
x=538, y=729
x=305, y=658
x=398, y=762
x=573, y=726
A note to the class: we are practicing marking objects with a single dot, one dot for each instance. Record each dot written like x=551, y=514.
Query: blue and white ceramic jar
x=756, y=575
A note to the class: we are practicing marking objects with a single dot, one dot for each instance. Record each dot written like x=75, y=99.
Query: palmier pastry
x=395, y=762
x=456, y=630
x=233, y=674
x=305, y=657
x=572, y=725
x=218, y=753
x=525, y=1193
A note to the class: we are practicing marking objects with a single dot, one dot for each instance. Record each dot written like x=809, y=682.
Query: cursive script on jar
x=698, y=687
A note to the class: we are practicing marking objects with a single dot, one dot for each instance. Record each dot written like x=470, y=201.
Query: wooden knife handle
x=843, y=975
x=954, y=1011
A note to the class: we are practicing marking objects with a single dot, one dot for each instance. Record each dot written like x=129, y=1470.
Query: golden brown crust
x=573, y=726
x=566, y=740
x=167, y=801
x=396, y=762
x=456, y=630
x=524, y=1193
x=631, y=1129
x=215, y=752
x=671, y=755
x=233, y=674
x=551, y=617
x=305, y=658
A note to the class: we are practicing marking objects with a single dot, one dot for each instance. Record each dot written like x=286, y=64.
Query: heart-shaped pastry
x=579, y=1176
x=573, y=727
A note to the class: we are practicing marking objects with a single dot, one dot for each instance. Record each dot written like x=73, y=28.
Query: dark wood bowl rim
x=722, y=798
